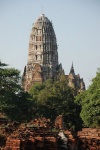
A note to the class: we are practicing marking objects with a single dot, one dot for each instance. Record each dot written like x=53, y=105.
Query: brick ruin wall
x=87, y=139
x=40, y=136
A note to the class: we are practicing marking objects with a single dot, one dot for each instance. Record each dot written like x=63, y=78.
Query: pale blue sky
x=77, y=28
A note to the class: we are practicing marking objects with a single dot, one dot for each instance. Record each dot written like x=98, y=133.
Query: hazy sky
x=77, y=28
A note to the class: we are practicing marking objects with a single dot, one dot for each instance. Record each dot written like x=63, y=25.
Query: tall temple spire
x=72, y=70
x=42, y=61
x=75, y=82
x=42, y=54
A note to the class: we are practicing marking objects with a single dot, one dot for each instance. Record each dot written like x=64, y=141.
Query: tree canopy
x=89, y=102
x=56, y=98
x=14, y=101
x=49, y=99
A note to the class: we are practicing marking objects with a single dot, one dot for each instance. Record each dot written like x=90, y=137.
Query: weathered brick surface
x=38, y=135
x=59, y=122
x=89, y=138
x=35, y=143
x=13, y=144
x=86, y=139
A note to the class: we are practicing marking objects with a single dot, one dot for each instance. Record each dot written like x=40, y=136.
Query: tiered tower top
x=42, y=18
x=42, y=44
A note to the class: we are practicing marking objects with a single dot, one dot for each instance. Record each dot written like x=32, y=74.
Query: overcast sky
x=77, y=28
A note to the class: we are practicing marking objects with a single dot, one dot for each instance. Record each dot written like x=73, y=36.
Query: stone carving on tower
x=42, y=55
x=43, y=58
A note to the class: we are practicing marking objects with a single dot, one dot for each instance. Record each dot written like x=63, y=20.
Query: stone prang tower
x=43, y=58
x=42, y=55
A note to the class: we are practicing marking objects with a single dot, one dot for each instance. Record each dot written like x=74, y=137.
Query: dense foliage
x=56, y=98
x=89, y=103
x=49, y=99
x=13, y=100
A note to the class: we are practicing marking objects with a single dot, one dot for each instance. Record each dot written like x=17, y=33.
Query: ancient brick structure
x=59, y=122
x=75, y=81
x=39, y=134
x=87, y=139
x=43, y=57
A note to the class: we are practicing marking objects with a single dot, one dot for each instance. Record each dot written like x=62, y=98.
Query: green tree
x=14, y=102
x=89, y=102
x=56, y=98
x=9, y=85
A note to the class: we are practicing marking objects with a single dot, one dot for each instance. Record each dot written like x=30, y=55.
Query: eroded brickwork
x=84, y=141
x=40, y=134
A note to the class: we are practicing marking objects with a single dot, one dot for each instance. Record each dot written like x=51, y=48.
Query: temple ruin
x=43, y=57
